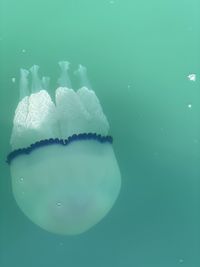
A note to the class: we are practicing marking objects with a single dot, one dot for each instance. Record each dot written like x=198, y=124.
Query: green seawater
x=139, y=55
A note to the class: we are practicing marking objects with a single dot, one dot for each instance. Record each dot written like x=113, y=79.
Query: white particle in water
x=21, y=180
x=189, y=105
x=181, y=261
x=112, y=2
x=192, y=77
x=23, y=50
x=13, y=79
x=58, y=204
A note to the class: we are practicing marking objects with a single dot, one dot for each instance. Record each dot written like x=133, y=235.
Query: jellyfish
x=65, y=176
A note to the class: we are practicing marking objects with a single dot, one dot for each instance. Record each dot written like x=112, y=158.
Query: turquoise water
x=139, y=55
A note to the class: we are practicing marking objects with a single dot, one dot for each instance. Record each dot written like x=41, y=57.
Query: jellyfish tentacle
x=82, y=75
x=23, y=84
x=64, y=80
x=36, y=82
x=45, y=83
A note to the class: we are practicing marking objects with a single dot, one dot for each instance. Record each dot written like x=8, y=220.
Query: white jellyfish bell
x=65, y=176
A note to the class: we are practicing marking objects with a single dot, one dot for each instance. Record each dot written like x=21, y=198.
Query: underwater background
x=143, y=61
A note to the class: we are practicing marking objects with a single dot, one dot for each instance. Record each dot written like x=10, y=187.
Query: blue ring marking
x=75, y=137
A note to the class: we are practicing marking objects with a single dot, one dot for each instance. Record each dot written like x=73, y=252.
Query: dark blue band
x=64, y=142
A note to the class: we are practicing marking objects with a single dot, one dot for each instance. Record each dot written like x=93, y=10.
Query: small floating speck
x=189, y=105
x=13, y=80
x=192, y=77
x=181, y=260
x=129, y=86
x=58, y=204
x=21, y=180
x=23, y=50
x=112, y=2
